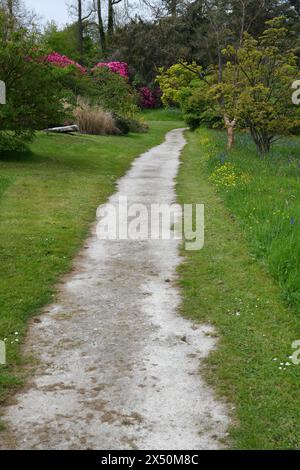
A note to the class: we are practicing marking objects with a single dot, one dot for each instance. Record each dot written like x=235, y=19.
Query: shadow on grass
x=17, y=156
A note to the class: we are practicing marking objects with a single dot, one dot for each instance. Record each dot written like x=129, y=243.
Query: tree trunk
x=230, y=126
x=80, y=30
x=11, y=16
x=261, y=139
x=102, y=37
x=174, y=8
x=10, y=7
x=64, y=129
x=110, y=27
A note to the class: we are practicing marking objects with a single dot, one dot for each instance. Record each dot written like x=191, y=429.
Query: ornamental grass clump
x=94, y=120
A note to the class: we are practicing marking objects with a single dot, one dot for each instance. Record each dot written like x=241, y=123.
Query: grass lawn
x=244, y=279
x=48, y=200
x=166, y=114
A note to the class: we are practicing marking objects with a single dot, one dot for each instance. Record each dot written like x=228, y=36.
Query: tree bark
x=63, y=130
x=262, y=140
x=230, y=126
x=11, y=16
x=174, y=8
x=110, y=26
x=111, y=18
x=102, y=37
x=10, y=7
x=80, y=30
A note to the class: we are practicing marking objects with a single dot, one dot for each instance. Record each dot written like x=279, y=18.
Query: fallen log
x=64, y=129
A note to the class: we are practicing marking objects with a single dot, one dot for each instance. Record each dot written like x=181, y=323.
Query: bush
x=123, y=124
x=114, y=93
x=150, y=99
x=120, y=68
x=63, y=61
x=196, y=107
x=174, y=80
x=35, y=99
x=14, y=142
x=72, y=77
x=94, y=120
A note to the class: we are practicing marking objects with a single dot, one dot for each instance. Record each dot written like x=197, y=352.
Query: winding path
x=118, y=367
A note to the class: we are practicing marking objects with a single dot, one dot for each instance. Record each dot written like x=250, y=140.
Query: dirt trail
x=118, y=367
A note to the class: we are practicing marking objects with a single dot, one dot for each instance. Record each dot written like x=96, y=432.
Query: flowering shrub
x=227, y=176
x=120, y=68
x=63, y=61
x=114, y=93
x=149, y=99
x=36, y=98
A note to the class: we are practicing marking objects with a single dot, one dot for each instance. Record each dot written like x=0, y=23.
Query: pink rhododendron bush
x=63, y=61
x=120, y=68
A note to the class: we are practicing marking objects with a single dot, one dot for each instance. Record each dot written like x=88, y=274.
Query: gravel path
x=118, y=368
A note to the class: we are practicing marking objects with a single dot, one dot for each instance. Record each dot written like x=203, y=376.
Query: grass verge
x=48, y=199
x=225, y=286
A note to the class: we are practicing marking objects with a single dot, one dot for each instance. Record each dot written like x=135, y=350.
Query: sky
x=49, y=10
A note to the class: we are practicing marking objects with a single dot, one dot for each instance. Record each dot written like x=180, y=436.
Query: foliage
x=256, y=86
x=197, y=33
x=114, y=93
x=35, y=99
x=71, y=76
x=149, y=98
x=184, y=85
x=173, y=80
x=65, y=42
x=147, y=45
x=123, y=124
x=197, y=108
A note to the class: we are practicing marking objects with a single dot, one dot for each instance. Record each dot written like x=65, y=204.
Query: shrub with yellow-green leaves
x=175, y=79
x=255, y=92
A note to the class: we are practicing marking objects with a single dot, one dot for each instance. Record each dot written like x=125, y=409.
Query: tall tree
x=10, y=7
x=172, y=7
x=80, y=28
x=81, y=19
x=15, y=15
x=102, y=36
x=229, y=22
x=111, y=16
x=256, y=89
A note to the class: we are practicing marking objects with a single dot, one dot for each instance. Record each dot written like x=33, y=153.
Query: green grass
x=48, y=199
x=268, y=209
x=4, y=183
x=166, y=114
x=225, y=286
